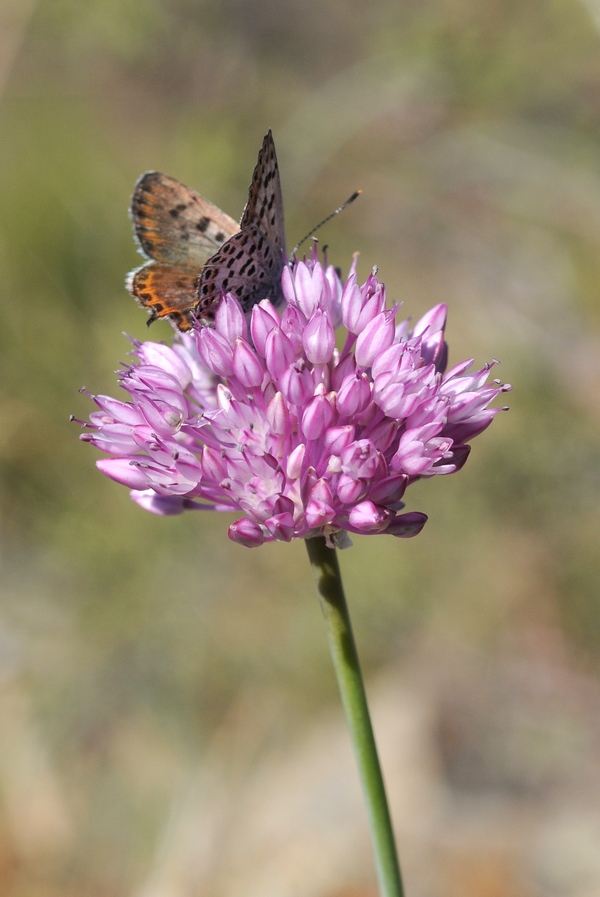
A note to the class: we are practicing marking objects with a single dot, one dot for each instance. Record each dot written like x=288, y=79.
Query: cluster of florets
x=270, y=419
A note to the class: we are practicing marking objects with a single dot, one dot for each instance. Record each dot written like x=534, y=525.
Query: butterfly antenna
x=344, y=205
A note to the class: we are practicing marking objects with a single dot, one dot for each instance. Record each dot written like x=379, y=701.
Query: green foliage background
x=473, y=129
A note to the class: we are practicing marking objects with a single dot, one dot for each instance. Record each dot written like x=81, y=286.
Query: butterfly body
x=196, y=252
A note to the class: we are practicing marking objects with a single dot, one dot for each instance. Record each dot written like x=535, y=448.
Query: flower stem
x=347, y=669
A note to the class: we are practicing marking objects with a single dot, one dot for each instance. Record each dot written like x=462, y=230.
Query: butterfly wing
x=166, y=291
x=265, y=202
x=250, y=263
x=196, y=251
x=178, y=230
x=175, y=225
x=247, y=265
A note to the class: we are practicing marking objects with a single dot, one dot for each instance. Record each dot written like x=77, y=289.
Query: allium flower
x=272, y=420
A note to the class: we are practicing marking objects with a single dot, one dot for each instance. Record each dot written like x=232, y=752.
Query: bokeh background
x=169, y=724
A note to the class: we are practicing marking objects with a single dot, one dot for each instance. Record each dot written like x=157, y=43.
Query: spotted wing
x=247, y=265
x=265, y=202
x=166, y=291
x=174, y=225
x=178, y=230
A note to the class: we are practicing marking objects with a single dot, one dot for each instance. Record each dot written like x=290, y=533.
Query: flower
x=268, y=418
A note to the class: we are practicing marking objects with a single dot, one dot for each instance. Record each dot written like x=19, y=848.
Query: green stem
x=347, y=669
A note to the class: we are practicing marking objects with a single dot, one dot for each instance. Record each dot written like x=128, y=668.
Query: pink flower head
x=273, y=421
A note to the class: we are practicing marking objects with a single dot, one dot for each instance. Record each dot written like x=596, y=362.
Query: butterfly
x=196, y=252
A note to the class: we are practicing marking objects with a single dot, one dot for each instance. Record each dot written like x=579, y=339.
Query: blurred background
x=169, y=723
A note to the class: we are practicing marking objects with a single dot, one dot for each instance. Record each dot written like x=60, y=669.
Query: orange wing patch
x=166, y=291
